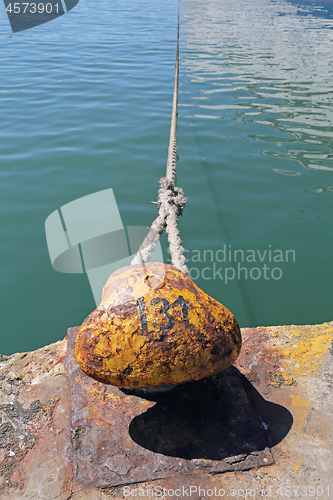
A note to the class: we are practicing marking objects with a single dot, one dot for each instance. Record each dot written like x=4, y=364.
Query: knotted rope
x=171, y=199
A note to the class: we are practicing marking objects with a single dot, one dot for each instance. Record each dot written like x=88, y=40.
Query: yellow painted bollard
x=155, y=327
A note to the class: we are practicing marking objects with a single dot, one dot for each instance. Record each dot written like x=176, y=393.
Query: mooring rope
x=171, y=199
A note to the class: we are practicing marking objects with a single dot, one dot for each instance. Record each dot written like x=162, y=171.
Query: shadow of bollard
x=214, y=418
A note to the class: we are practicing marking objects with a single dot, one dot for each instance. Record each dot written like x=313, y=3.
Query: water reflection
x=256, y=98
x=253, y=65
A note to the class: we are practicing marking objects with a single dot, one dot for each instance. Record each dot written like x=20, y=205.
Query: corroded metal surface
x=261, y=429
x=206, y=426
x=153, y=327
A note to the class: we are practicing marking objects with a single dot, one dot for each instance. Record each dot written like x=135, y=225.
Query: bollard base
x=263, y=426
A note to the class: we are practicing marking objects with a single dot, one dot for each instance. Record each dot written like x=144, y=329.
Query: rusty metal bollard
x=155, y=327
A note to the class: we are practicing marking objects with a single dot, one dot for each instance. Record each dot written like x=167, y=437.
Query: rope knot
x=171, y=195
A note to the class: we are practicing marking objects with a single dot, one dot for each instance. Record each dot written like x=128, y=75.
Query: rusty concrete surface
x=262, y=428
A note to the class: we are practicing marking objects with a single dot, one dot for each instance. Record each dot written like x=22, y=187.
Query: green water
x=85, y=105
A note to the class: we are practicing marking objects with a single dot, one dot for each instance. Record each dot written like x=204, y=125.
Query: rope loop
x=171, y=199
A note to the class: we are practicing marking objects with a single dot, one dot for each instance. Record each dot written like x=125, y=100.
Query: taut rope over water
x=130, y=340
x=171, y=199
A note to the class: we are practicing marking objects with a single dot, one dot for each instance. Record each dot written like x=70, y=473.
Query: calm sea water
x=85, y=105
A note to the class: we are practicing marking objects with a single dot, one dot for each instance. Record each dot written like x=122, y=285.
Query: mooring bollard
x=155, y=327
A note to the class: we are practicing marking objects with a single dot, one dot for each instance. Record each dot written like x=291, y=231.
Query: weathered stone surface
x=35, y=441
x=264, y=424
x=155, y=327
